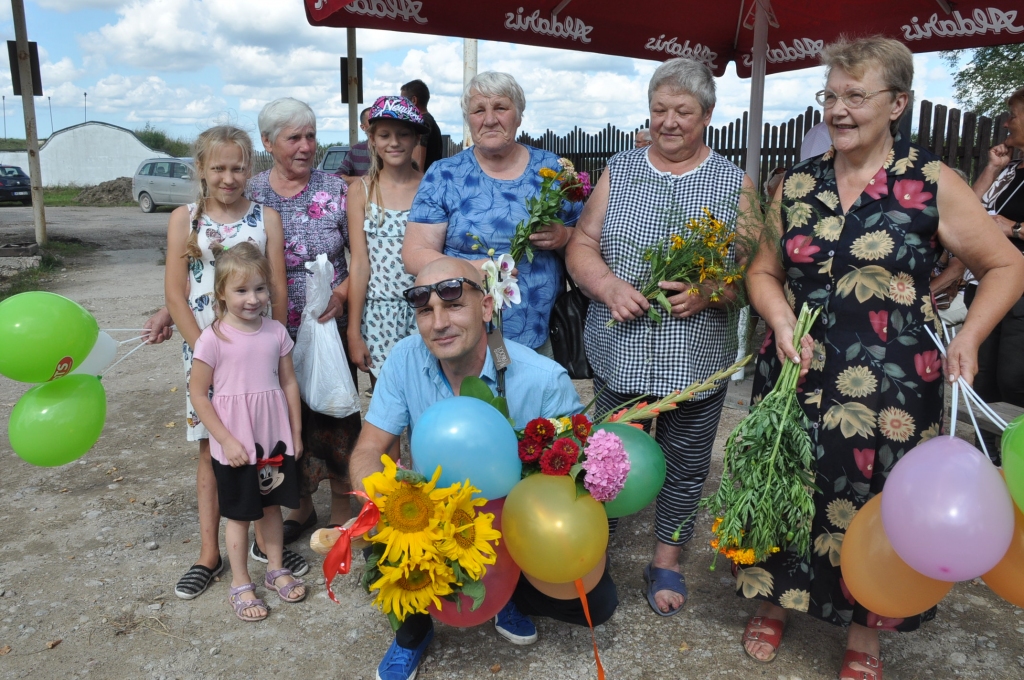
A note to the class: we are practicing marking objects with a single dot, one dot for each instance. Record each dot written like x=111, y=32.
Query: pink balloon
x=500, y=581
x=947, y=511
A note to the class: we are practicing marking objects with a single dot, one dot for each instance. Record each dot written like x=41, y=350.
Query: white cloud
x=149, y=98
x=72, y=5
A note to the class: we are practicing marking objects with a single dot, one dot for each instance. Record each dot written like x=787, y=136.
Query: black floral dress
x=874, y=390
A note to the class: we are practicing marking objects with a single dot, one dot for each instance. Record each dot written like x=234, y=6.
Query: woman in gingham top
x=643, y=197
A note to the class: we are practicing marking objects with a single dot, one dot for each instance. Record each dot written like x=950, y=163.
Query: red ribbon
x=586, y=611
x=339, y=559
x=276, y=461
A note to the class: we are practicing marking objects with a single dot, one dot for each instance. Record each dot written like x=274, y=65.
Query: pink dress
x=247, y=394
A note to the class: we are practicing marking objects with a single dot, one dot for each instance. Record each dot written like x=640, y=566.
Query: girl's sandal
x=284, y=592
x=873, y=663
x=240, y=605
x=772, y=637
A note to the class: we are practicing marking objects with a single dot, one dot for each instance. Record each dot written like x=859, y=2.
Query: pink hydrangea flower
x=607, y=465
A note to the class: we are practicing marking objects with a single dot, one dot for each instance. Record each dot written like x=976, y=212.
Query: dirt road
x=92, y=550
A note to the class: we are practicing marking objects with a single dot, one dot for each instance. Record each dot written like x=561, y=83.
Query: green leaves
x=475, y=590
x=476, y=388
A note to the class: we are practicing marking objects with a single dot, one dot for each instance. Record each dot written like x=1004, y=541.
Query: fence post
x=924, y=125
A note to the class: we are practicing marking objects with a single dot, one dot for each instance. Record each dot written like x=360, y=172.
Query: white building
x=86, y=154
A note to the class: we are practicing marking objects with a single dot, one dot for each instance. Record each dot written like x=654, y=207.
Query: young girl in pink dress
x=254, y=420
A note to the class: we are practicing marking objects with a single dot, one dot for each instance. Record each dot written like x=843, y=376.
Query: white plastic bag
x=320, y=362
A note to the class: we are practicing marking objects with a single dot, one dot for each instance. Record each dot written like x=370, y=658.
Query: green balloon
x=646, y=470
x=56, y=422
x=1013, y=460
x=43, y=336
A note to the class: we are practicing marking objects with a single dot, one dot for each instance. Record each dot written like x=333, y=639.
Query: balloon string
x=994, y=417
x=123, y=330
x=111, y=366
x=586, y=612
x=122, y=342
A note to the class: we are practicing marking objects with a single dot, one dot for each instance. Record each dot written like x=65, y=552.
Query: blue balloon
x=469, y=439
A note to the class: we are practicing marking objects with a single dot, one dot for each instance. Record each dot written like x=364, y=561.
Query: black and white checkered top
x=645, y=205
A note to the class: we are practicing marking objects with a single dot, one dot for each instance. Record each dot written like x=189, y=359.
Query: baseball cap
x=393, y=107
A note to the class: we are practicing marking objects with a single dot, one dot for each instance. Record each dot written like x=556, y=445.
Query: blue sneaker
x=514, y=626
x=400, y=663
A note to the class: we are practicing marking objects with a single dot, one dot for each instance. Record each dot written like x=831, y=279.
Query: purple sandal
x=284, y=591
x=241, y=605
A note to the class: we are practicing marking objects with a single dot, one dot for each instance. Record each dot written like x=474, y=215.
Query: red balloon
x=500, y=580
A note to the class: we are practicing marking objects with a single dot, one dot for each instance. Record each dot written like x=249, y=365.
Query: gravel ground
x=91, y=552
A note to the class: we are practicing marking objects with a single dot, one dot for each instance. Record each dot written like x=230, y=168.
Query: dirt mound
x=115, y=192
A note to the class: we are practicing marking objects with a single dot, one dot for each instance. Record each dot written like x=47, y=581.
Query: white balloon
x=101, y=355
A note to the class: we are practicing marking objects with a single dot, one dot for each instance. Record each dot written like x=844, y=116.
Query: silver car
x=163, y=181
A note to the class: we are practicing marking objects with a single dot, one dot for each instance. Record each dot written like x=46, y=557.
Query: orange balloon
x=877, y=577
x=1006, y=579
x=567, y=591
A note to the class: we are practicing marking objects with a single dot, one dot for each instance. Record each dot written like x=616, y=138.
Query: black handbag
x=566, y=328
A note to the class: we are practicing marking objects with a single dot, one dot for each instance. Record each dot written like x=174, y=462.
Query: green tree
x=989, y=77
x=158, y=140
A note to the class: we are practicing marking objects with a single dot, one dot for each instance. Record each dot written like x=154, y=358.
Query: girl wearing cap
x=378, y=210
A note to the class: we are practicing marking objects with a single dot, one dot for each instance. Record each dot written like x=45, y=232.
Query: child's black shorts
x=239, y=490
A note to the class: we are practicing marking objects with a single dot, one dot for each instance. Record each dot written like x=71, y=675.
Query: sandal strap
x=276, y=574
x=864, y=659
x=771, y=637
x=244, y=588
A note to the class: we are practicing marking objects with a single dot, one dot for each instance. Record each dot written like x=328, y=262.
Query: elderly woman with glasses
x=862, y=227
x=471, y=203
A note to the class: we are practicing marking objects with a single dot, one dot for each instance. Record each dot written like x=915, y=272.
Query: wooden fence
x=962, y=140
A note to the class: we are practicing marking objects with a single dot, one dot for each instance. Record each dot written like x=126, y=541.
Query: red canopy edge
x=712, y=32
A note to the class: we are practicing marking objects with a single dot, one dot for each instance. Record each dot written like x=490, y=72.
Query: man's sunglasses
x=448, y=290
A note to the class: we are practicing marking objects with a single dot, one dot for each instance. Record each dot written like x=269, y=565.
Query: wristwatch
x=1016, y=230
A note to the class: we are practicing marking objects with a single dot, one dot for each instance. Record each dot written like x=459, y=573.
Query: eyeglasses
x=448, y=290
x=853, y=98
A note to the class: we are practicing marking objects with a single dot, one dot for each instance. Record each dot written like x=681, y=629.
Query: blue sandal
x=664, y=579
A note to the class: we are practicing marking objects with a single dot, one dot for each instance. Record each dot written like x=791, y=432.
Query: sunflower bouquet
x=595, y=460
x=699, y=256
x=556, y=186
x=431, y=543
x=765, y=499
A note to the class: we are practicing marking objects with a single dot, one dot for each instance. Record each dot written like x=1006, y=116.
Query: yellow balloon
x=550, y=533
x=1006, y=579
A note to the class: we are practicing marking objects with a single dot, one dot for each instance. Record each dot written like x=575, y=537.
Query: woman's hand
x=999, y=157
x=359, y=353
x=235, y=453
x=785, y=350
x=335, y=306
x=961, y=360
x=623, y=300
x=552, y=236
x=684, y=303
x=159, y=327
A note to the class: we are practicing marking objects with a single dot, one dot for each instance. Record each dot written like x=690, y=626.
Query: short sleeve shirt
x=457, y=191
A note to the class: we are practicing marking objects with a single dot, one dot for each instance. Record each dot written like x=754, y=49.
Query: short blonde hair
x=243, y=260
x=856, y=56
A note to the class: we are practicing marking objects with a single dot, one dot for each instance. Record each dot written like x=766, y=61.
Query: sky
x=184, y=65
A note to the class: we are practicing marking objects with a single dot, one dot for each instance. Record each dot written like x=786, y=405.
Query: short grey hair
x=685, y=75
x=282, y=113
x=494, y=84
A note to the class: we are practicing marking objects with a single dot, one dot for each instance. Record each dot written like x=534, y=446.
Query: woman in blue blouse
x=482, y=192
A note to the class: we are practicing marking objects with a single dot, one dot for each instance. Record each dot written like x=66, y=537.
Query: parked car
x=15, y=185
x=332, y=159
x=163, y=181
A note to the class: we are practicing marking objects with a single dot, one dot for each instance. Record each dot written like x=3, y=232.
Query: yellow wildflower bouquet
x=430, y=543
x=700, y=256
x=556, y=186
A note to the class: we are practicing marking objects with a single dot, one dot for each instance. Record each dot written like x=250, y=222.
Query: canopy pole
x=29, y=108
x=353, y=88
x=469, y=63
x=760, y=51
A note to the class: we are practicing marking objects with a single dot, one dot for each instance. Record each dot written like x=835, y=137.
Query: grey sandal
x=241, y=605
x=284, y=591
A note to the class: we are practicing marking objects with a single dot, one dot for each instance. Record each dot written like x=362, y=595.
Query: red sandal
x=864, y=659
x=772, y=638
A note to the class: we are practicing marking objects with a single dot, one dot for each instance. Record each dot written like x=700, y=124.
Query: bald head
x=448, y=268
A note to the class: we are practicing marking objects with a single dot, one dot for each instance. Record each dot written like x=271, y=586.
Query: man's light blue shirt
x=411, y=380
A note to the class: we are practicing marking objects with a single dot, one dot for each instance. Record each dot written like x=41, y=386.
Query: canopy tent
x=789, y=34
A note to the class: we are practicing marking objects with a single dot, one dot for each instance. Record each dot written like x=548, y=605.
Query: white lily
x=507, y=294
x=500, y=283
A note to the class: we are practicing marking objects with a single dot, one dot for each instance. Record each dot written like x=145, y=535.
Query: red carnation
x=581, y=427
x=530, y=450
x=560, y=458
x=541, y=430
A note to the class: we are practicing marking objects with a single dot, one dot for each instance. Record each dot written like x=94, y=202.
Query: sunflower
x=829, y=198
x=856, y=381
x=901, y=289
x=409, y=512
x=931, y=171
x=829, y=228
x=840, y=512
x=929, y=432
x=798, y=185
x=873, y=245
x=795, y=599
x=467, y=532
x=896, y=424
x=411, y=587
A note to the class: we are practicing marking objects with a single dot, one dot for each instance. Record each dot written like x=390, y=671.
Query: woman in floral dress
x=862, y=228
x=312, y=207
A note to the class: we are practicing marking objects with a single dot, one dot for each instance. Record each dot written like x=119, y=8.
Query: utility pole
x=5, y=116
x=353, y=88
x=50, y=102
x=28, y=106
x=468, y=73
x=85, y=105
